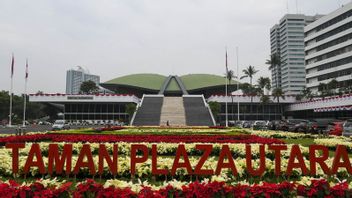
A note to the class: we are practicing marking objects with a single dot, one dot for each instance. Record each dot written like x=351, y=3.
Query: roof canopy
x=156, y=83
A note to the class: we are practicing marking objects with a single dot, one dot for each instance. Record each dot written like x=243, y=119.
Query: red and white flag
x=12, y=65
x=26, y=69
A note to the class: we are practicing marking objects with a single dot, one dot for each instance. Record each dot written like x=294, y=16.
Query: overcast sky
x=117, y=37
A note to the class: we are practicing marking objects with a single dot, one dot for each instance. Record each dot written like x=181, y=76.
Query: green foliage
x=130, y=109
x=215, y=108
x=249, y=72
x=88, y=87
x=278, y=93
x=264, y=83
x=264, y=99
x=274, y=61
x=33, y=110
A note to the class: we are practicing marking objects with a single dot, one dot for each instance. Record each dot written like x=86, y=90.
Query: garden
x=174, y=162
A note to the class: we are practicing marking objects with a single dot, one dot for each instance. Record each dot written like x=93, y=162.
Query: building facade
x=75, y=77
x=328, y=49
x=287, y=41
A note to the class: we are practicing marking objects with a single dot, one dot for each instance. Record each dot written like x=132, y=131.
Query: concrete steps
x=149, y=112
x=173, y=111
x=197, y=114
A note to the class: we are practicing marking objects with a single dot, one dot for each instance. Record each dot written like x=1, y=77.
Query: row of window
x=334, y=31
x=295, y=28
x=334, y=53
x=107, y=108
x=336, y=74
x=299, y=59
x=291, y=33
x=296, y=37
x=335, y=63
x=334, y=20
x=335, y=42
x=330, y=54
x=72, y=117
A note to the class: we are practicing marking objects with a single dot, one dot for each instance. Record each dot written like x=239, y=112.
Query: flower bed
x=142, y=138
x=283, y=134
x=165, y=159
x=333, y=141
x=183, y=183
x=116, y=188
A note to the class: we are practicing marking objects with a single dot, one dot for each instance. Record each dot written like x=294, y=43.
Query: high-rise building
x=328, y=48
x=75, y=77
x=287, y=41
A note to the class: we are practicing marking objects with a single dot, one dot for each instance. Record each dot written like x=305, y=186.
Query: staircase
x=173, y=111
x=148, y=114
x=189, y=110
x=197, y=113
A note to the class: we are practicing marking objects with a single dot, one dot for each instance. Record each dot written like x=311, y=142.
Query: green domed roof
x=198, y=81
x=148, y=81
x=153, y=83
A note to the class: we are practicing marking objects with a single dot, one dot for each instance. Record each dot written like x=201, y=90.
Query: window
x=334, y=42
x=334, y=31
x=335, y=63
x=336, y=74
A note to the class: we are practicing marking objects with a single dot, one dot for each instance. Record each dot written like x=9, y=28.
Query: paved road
x=36, y=128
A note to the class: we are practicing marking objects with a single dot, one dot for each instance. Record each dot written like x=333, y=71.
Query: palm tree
x=264, y=83
x=231, y=75
x=249, y=72
x=275, y=62
x=278, y=93
x=264, y=99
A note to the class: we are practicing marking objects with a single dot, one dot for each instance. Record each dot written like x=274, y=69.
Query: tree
x=264, y=99
x=332, y=86
x=264, y=83
x=277, y=94
x=215, y=108
x=230, y=75
x=307, y=93
x=274, y=63
x=249, y=72
x=89, y=87
x=322, y=88
x=130, y=109
x=274, y=60
x=33, y=110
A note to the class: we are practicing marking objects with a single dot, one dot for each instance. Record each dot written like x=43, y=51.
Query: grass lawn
x=302, y=141
x=308, y=141
x=158, y=131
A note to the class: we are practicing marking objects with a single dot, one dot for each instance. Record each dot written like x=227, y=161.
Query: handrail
x=211, y=113
x=135, y=112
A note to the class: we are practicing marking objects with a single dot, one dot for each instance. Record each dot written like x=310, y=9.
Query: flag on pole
x=226, y=78
x=12, y=65
x=26, y=69
x=227, y=69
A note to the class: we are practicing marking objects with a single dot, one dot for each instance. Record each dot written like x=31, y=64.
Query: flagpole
x=238, y=86
x=11, y=90
x=226, y=109
x=25, y=95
